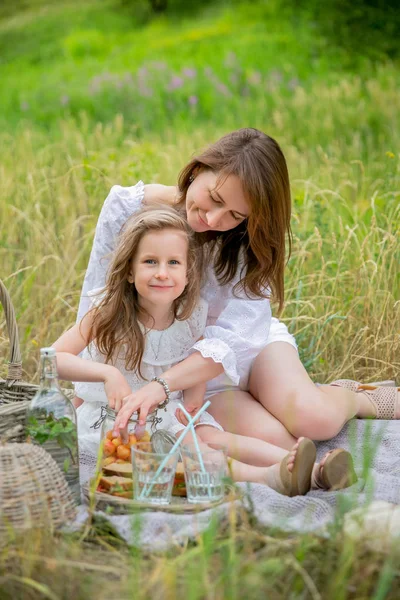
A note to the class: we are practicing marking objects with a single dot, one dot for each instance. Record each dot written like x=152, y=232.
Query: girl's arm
x=190, y=372
x=73, y=368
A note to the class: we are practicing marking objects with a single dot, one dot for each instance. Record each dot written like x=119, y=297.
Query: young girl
x=145, y=320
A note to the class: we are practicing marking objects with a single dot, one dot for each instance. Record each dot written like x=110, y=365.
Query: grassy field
x=342, y=282
x=94, y=95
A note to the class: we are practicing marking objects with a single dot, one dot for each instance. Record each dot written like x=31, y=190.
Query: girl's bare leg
x=281, y=384
x=266, y=458
x=239, y=413
x=256, y=461
x=248, y=450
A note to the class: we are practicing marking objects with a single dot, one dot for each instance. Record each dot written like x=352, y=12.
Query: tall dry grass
x=342, y=280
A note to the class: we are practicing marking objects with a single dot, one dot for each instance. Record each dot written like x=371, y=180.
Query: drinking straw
x=196, y=443
x=146, y=491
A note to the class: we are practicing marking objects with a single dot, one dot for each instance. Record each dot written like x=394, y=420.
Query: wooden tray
x=120, y=506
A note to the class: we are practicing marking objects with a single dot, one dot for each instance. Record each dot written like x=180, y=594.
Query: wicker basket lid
x=33, y=490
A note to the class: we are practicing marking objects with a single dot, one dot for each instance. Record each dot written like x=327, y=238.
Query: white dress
x=163, y=349
x=237, y=327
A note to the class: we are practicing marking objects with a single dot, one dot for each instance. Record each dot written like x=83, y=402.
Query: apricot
x=123, y=452
x=109, y=435
x=117, y=441
x=120, y=461
x=108, y=461
x=109, y=448
x=132, y=439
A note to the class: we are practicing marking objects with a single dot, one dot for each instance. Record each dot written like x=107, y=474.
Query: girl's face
x=159, y=269
x=213, y=206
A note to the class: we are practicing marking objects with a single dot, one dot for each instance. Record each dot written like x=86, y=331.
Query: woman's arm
x=119, y=205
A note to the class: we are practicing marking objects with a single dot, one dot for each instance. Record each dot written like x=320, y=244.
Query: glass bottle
x=52, y=423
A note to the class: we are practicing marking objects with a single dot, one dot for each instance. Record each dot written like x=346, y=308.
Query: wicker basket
x=33, y=491
x=15, y=394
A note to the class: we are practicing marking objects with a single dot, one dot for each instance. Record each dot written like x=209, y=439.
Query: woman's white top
x=163, y=349
x=237, y=327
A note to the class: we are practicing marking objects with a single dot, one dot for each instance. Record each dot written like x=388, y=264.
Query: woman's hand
x=144, y=400
x=116, y=387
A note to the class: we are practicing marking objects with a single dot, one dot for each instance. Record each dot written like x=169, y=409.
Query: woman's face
x=213, y=205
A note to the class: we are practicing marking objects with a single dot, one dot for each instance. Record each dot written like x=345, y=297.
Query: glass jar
x=115, y=451
x=51, y=422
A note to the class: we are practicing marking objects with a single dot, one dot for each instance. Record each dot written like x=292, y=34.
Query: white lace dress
x=237, y=327
x=163, y=349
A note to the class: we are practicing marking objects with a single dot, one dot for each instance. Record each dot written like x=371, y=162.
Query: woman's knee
x=311, y=417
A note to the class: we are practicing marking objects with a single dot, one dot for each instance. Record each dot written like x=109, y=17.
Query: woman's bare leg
x=281, y=384
x=238, y=412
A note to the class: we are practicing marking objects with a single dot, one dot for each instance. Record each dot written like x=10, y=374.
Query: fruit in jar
x=117, y=441
x=109, y=448
x=123, y=452
x=132, y=439
x=108, y=461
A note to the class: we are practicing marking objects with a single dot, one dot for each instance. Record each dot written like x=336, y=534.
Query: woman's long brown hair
x=115, y=325
x=261, y=167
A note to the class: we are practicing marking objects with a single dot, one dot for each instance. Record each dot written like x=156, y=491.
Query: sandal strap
x=384, y=400
x=348, y=384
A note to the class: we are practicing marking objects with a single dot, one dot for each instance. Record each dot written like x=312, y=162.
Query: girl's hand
x=116, y=387
x=180, y=415
x=193, y=400
x=144, y=400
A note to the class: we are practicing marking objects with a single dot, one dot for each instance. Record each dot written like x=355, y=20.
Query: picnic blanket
x=379, y=440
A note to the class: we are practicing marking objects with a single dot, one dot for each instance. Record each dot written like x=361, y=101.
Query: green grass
x=57, y=61
x=232, y=559
x=64, y=149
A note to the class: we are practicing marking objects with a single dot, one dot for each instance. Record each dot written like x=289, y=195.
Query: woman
x=237, y=199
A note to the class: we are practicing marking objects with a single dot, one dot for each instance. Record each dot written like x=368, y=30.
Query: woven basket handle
x=15, y=364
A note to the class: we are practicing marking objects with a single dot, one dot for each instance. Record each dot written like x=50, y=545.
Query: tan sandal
x=298, y=482
x=383, y=399
x=337, y=472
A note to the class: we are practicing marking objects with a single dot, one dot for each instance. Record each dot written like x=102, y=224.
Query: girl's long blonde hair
x=115, y=325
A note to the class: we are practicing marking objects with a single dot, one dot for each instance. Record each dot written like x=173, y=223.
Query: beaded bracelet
x=166, y=390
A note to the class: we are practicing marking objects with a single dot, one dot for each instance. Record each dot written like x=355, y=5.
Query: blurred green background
x=163, y=63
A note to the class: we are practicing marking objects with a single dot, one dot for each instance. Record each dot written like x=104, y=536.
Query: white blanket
x=302, y=513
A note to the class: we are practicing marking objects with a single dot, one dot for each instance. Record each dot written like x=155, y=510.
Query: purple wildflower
x=175, y=83
x=193, y=100
x=189, y=72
